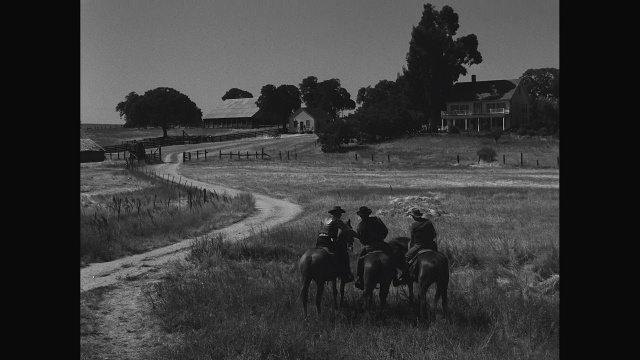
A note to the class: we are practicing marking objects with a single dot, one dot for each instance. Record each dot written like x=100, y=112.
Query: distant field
x=103, y=135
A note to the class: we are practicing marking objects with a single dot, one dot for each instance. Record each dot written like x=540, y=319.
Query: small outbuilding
x=308, y=120
x=90, y=151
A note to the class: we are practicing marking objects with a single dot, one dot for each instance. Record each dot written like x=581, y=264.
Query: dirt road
x=125, y=329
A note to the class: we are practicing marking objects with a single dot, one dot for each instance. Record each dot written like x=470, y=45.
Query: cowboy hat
x=363, y=211
x=415, y=212
x=336, y=209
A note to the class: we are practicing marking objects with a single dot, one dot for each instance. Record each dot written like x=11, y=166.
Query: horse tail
x=305, y=266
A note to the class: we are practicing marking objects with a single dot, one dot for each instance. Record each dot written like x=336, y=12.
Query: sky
x=202, y=48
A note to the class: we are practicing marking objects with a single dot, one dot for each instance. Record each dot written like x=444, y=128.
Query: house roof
x=483, y=90
x=315, y=113
x=234, y=108
x=87, y=144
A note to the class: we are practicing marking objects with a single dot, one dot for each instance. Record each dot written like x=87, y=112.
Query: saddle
x=372, y=252
x=413, y=260
x=325, y=249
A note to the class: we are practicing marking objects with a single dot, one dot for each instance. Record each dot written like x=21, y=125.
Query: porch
x=468, y=120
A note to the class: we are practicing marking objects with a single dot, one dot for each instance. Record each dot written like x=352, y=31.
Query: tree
x=384, y=111
x=435, y=60
x=336, y=133
x=542, y=83
x=543, y=86
x=327, y=95
x=161, y=107
x=279, y=103
x=235, y=93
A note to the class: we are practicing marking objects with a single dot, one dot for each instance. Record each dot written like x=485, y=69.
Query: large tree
x=235, y=93
x=163, y=107
x=327, y=95
x=542, y=83
x=436, y=60
x=279, y=103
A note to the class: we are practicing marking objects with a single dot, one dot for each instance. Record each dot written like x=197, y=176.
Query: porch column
x=503, y=123
x=442, y=121
x=478, y=124
x=465, y=123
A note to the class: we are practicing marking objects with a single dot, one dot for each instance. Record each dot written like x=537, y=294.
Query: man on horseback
x=371, y=233
x=328, y=239
x=423, y=235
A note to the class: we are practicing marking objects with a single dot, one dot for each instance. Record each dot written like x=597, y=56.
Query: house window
x=460, y=108
x=495, y=107
x=308, y=123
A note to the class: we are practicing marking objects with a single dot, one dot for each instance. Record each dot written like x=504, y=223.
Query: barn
x=308, y=120
x=90, y=151
x=235, y=113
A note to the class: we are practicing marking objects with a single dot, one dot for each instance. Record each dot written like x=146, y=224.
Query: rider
x=423, y=235
x=328, y=237
x=371, y=233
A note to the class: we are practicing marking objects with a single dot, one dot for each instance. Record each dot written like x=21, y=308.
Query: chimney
x=473, y=78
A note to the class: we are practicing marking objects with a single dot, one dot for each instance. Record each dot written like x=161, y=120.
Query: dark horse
x=378, y=268
x=320, y=266
x=426, y=268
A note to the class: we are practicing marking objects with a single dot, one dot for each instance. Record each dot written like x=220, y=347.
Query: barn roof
x=315, y=113
x=483, y=90
x=87, y=144
x=234, y=108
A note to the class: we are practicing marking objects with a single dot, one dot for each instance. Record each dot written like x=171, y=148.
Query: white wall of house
x=520, y=106
x=308, y=121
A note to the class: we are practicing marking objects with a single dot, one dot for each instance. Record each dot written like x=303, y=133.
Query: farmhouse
x=308, y=119
x=235, y=113
x=487, y=105
x=90, y=151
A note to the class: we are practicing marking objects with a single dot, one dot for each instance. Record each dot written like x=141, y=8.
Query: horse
x=378, y=268
x=318, y=265
x=426, y=268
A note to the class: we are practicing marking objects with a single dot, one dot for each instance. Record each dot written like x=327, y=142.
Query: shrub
x=531, y=132
x=453, y=130
x=487, y=154
x=496, y=134
x=523, y=131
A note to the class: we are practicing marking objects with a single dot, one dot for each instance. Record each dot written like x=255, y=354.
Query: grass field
x=498, y=224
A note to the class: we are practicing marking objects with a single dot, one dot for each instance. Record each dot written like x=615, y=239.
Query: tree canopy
x=435, y=60
x=161, y=107
x=543, y=82
x=279, y=103
x=235, y=93
x=327, y=95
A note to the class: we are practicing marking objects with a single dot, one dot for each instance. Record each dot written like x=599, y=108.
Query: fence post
x=537, y=163
x=220, y=154
x=262, y=153
x=296, y=155
x=521, y=160
x=356, y=156
x=280, y=155
x=189, y=155
x=197, y=154
x=504, y=159
x=205, y=154
x=371, y=156
x=184, y=156
x=458, y=158
x=247, y=155
x=287, y=154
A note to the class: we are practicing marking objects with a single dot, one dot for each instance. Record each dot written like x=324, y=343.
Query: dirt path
x=125, y=329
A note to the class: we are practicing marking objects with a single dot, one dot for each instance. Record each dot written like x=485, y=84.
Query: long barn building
x=235, y=113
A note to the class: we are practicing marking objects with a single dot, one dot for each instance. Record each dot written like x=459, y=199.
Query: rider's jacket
x=331, y=226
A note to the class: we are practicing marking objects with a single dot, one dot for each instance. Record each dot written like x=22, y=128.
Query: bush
x=487, y=154
x=453, y=130
x=522, y=131
x=496, y=134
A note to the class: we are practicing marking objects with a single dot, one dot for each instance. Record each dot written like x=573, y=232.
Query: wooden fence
x=186, y=139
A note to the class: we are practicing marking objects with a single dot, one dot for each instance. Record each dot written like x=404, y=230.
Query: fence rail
x=186, y=139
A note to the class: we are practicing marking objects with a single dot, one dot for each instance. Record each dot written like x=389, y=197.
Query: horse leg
x=342, y=284
x=335, y=293
x=424, y=304
x=319, y=291
x=444, y=285
x=384, y=292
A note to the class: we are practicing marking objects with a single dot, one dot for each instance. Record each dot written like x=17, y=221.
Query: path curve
x=270, y=212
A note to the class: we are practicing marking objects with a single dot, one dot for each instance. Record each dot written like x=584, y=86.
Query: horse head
x=346, y=237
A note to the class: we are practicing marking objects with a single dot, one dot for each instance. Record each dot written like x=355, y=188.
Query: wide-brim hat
x=415, y=212
x=363, y=211
x=336, y=209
